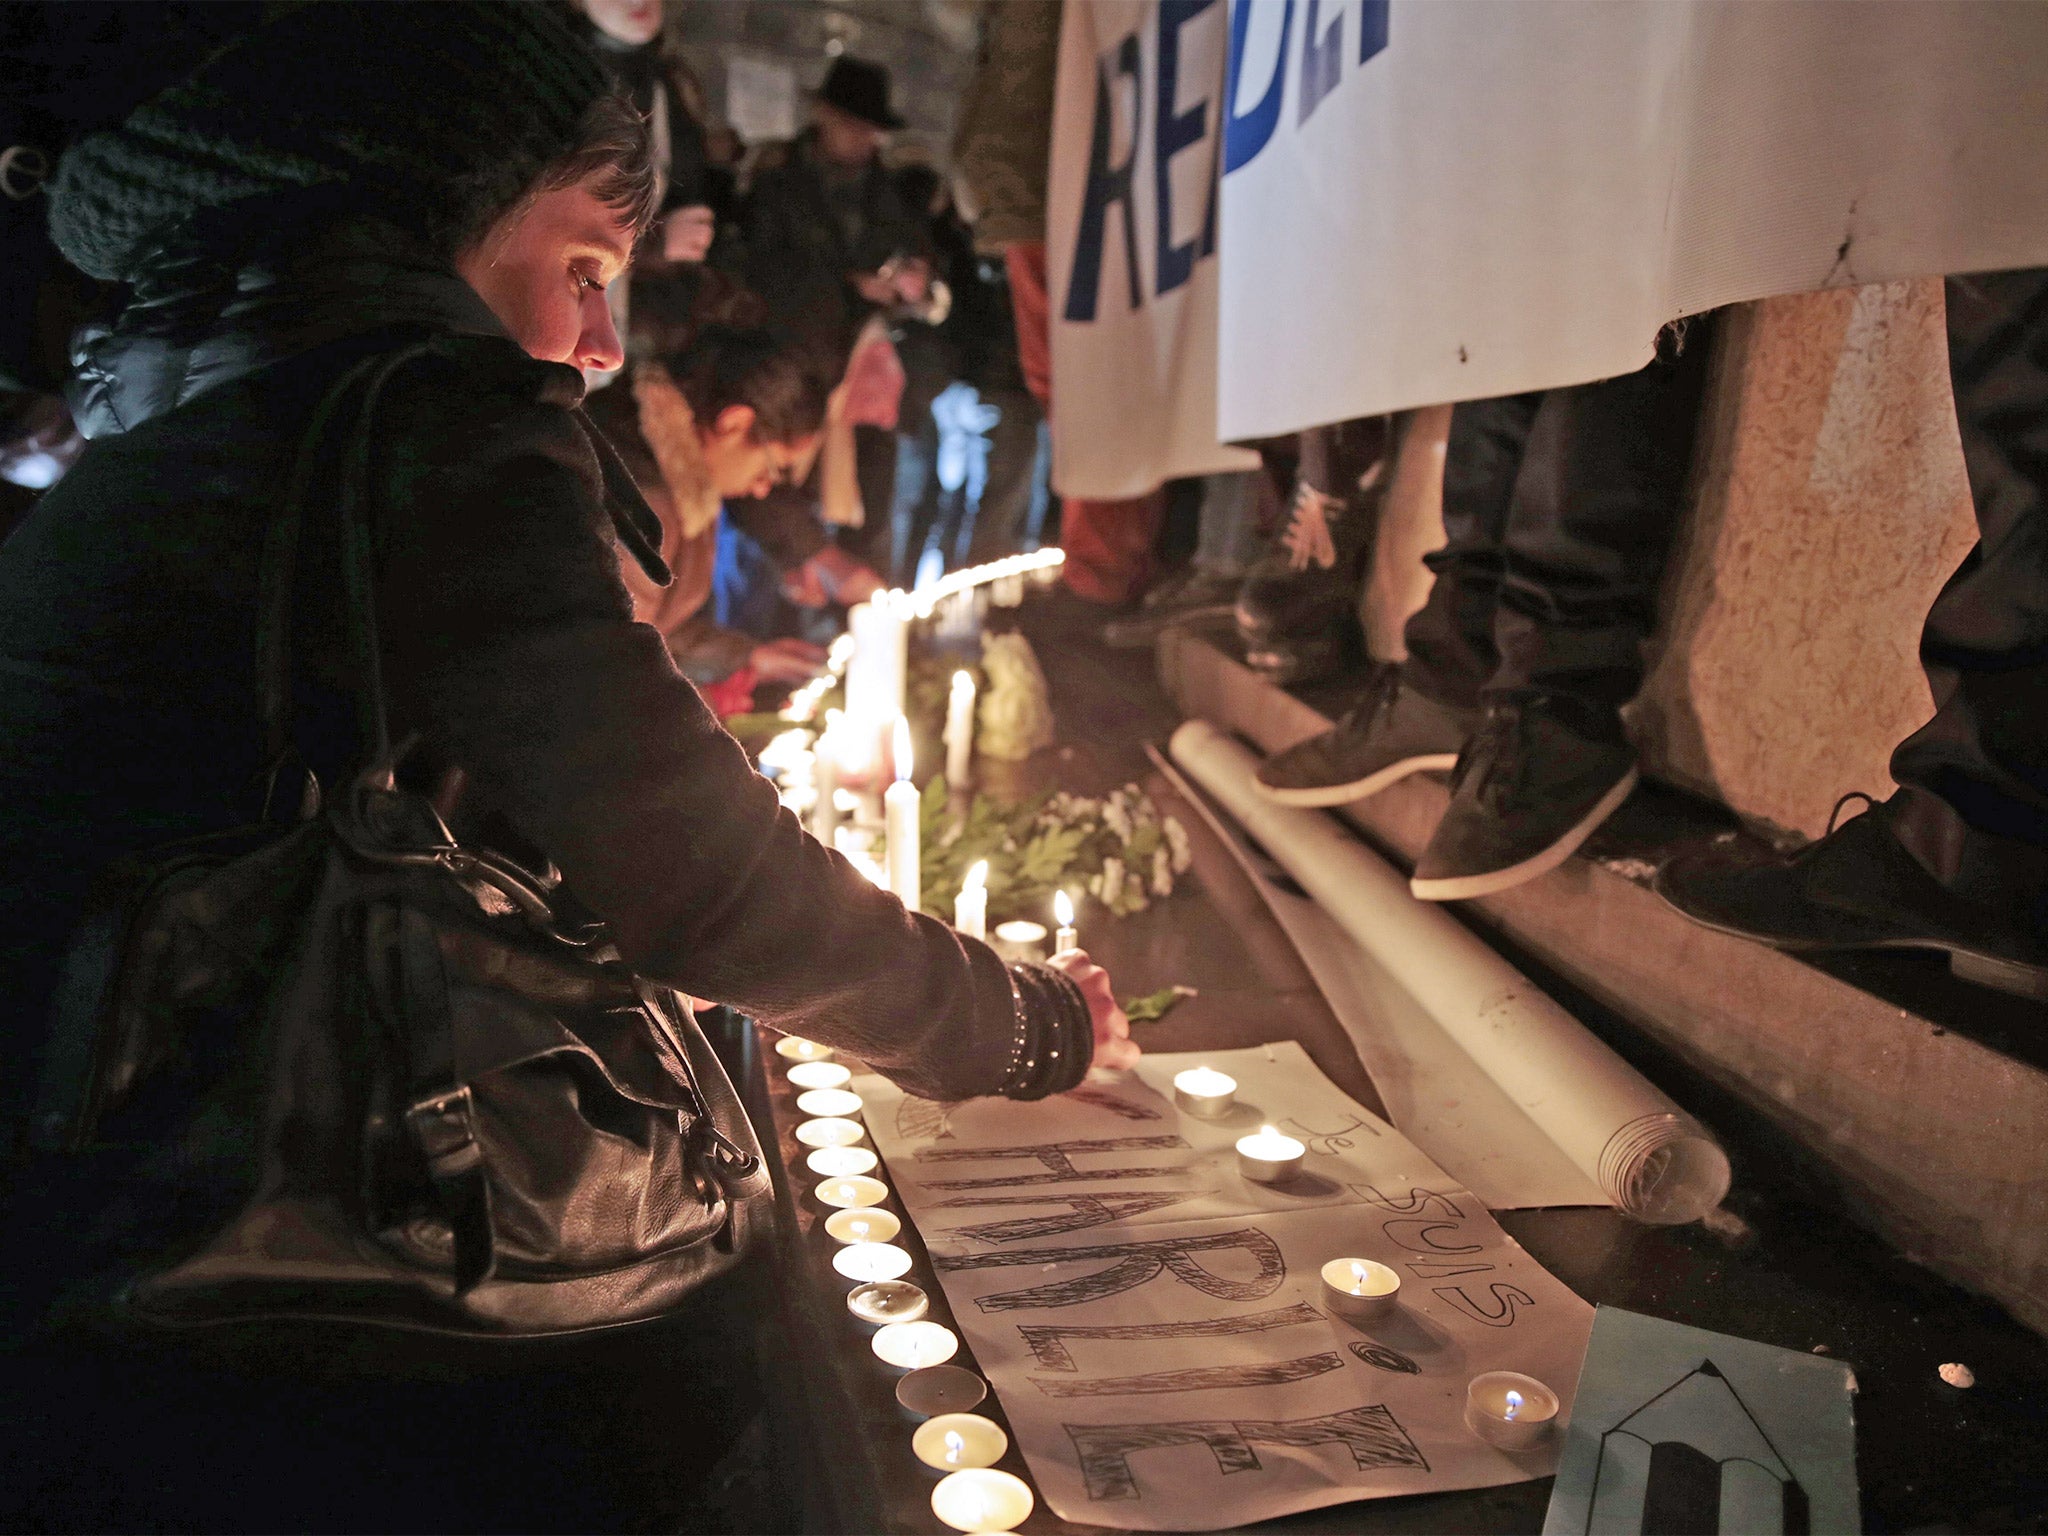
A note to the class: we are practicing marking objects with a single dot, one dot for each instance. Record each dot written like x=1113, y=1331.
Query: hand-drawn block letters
x=1130, y=1265
x=1370, y=1433
x=1083, y=1211
x=1057, y=1157
x=1048, y=1341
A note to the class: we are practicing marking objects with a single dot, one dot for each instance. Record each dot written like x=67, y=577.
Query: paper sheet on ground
x=1678, y=1429
x=1439, y=1097
x=1153, y=1322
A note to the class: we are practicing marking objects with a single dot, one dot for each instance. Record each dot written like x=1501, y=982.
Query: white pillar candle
x=887, y=1301
x=913, y=1346
x=982, y=1499
x=970, y=907
x=863, y=1224
x=830, y=1132
x=1204, y=1093
x=790, y=1048
x=899, y=813
x=875, y=675
x=850, y=1189
x=960, y=732
x=1020, y=939
x=874, y=1261
x=1360, y=1288
x=825, y=769
x=950, y=1441
x=1269, y=1157
x=1509, y=1410
x=1063, y=909
x=807, y=1075
x=839, y=1162
x=829, y=1103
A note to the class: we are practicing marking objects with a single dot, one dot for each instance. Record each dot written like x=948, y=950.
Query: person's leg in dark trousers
x=1001, y=518
x=1602, y=471
x=1957, y=860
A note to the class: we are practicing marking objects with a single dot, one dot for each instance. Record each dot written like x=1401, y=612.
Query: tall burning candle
x=899, y=815
x=875, y=675
x=825, y=773
x=1068, y=937
x=970, y=907
x=960, y=731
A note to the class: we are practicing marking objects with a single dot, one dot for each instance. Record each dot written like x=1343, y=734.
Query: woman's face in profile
x=543, y=270
x=627, y=21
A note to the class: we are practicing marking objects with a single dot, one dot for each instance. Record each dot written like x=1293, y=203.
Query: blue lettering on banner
x=1321, y=68
x=1174, y=132
x=1107, y=184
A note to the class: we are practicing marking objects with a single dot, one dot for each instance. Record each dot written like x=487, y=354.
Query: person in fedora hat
x=857, y=89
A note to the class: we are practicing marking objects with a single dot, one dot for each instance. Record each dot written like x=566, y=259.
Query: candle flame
x=1269, y=1130
x=963, y=684
x=902, y=750
x=1514, y=1403
x=956, y=1445
x=860, y=1229
x=977, y=875
x=1358, y=1273
x=1063, y=908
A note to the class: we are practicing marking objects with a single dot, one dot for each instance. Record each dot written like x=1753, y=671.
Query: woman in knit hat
x=347, y=180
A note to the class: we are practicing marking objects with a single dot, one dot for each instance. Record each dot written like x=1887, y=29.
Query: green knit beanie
x=415, y=111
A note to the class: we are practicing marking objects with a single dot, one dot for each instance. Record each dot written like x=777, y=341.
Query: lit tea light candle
x=1068, y=937
x=1509, y=1410
x=806, y=1075
x=913, y=1346
x=1360, y=1287
x=863, y=1224
x=1269, y=1157
x=950, y=1441
x=1020, y=940
x=900, y=807
x=940, y=1389
x=828, y=1103
x=853, y=1190
x=790, y=1048
x=888, y=1301
x=836, y=1162
x=875, y=1261
x=970, y=907
x=1204, y=1093
x=829, y=1132
x=982, y=1499
x=960, y=732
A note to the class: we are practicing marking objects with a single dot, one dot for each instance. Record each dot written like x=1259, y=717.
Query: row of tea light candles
x=1503, y=1408
x=963, y=1446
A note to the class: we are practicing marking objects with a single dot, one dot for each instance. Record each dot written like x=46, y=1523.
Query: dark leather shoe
x=1188, y=596
x=1856, y=888
x=1530, y=786
x=1392, y=733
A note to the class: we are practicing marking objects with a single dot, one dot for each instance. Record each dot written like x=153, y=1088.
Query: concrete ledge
x=1934, y=1140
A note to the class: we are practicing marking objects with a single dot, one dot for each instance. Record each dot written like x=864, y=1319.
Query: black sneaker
x=1187, y=596
x=1856, y=888
x=1529, y=787
x=1392, y=733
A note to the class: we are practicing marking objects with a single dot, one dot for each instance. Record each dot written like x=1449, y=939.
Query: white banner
x=1426, y=202
x=1131, y=246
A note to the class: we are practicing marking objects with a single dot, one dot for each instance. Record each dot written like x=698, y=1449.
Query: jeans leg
x=1451, y=653
x=1595, y=508
x=1974, y=807
x=1228, y=540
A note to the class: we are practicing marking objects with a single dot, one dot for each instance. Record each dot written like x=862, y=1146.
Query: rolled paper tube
x=874, y=1261
x=1203, y=1093
x=806, y=1075
x=835, y=1162
x=790, y=1048
x=863, y=1224
x=913, y=1346
x=829, y=1133
x=888, y=1301
x=853, y=1190
x=1360, y=1288
x=982, y=1500
x=1269, y=1157
x=940, y=1389
x=950, y=1441
x=1509, y=1410
x=828, y=1103
x=1654, y=1160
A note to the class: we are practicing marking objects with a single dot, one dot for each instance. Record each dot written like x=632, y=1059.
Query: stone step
x=1921, y=1101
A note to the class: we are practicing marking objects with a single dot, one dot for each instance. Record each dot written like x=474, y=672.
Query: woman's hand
x=787, y=661
x=1114, y=1046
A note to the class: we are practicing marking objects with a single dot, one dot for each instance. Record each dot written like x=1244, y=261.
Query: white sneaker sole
x=1465, y=887
x=1322, y=796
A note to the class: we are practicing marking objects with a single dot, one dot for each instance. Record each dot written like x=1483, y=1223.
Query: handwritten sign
x=1153, y=1321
